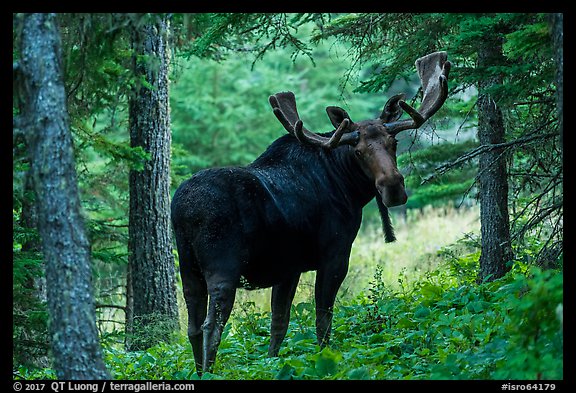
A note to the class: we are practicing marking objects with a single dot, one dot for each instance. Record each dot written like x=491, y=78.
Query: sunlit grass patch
x=419, y=237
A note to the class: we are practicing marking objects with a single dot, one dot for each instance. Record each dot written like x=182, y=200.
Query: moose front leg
x=282, y=296
x=328, y=281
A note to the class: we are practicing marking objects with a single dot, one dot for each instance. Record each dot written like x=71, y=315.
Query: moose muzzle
x=391, y=190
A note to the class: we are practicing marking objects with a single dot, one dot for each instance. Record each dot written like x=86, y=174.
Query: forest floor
x=407, y=310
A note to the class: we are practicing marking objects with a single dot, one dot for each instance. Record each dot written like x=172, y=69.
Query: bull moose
x=296, y=208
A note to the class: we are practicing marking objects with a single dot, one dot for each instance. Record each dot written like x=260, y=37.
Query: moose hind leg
x=195, y=294
x=222, y=296
x=196, y=297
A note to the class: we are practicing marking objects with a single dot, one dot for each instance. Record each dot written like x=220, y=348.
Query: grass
x=419, y=237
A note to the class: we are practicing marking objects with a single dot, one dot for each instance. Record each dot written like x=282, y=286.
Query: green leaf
x=286, y=372
x=361, y=373
x=208, y=376
x=184, y=374
x=431, y=291
x=377, y=338
x=326, y=362
x=475, y=306
x=421, y=313
x=404, y=323
x=378, y=354
x=147, y=359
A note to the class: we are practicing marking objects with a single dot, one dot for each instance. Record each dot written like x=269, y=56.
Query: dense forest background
x=472, y=289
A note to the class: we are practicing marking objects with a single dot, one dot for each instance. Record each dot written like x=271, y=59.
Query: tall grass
x=420, y=235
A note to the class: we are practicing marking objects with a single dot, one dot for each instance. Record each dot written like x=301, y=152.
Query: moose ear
x=392, y=110
x=337, y=115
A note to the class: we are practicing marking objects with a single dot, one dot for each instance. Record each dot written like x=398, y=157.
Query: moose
x=296, y=208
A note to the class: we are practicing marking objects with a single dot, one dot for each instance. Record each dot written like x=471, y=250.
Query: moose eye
x=358, y=153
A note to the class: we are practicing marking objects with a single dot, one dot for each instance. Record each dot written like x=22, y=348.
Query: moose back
x=296, y=208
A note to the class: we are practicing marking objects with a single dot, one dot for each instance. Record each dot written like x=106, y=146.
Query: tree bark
x=496, y=250
x=75, y=344
x=152, y=311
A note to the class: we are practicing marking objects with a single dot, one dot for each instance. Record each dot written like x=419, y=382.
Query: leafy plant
x=438, y=327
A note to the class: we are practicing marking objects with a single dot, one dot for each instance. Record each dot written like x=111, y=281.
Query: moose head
x=374, y=141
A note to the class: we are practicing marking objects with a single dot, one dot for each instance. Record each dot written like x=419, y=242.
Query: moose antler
x=433, y=70
x=284, y=107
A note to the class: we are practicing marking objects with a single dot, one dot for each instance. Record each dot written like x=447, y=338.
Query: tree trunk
x=151, y=301
x=75, y=346
x=496, y=250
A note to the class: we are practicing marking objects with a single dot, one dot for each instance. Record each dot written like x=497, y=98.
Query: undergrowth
x=443, y=326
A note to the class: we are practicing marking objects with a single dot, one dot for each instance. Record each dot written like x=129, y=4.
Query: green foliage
x=526, y=42
x=442, y=326
x=227, y=33
x=147, y=330
x=162, y=361
x=29, y=313
x=96, y=60
x=448, y=189
x=534, y=326
x=426, y=186
x=388, y=42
